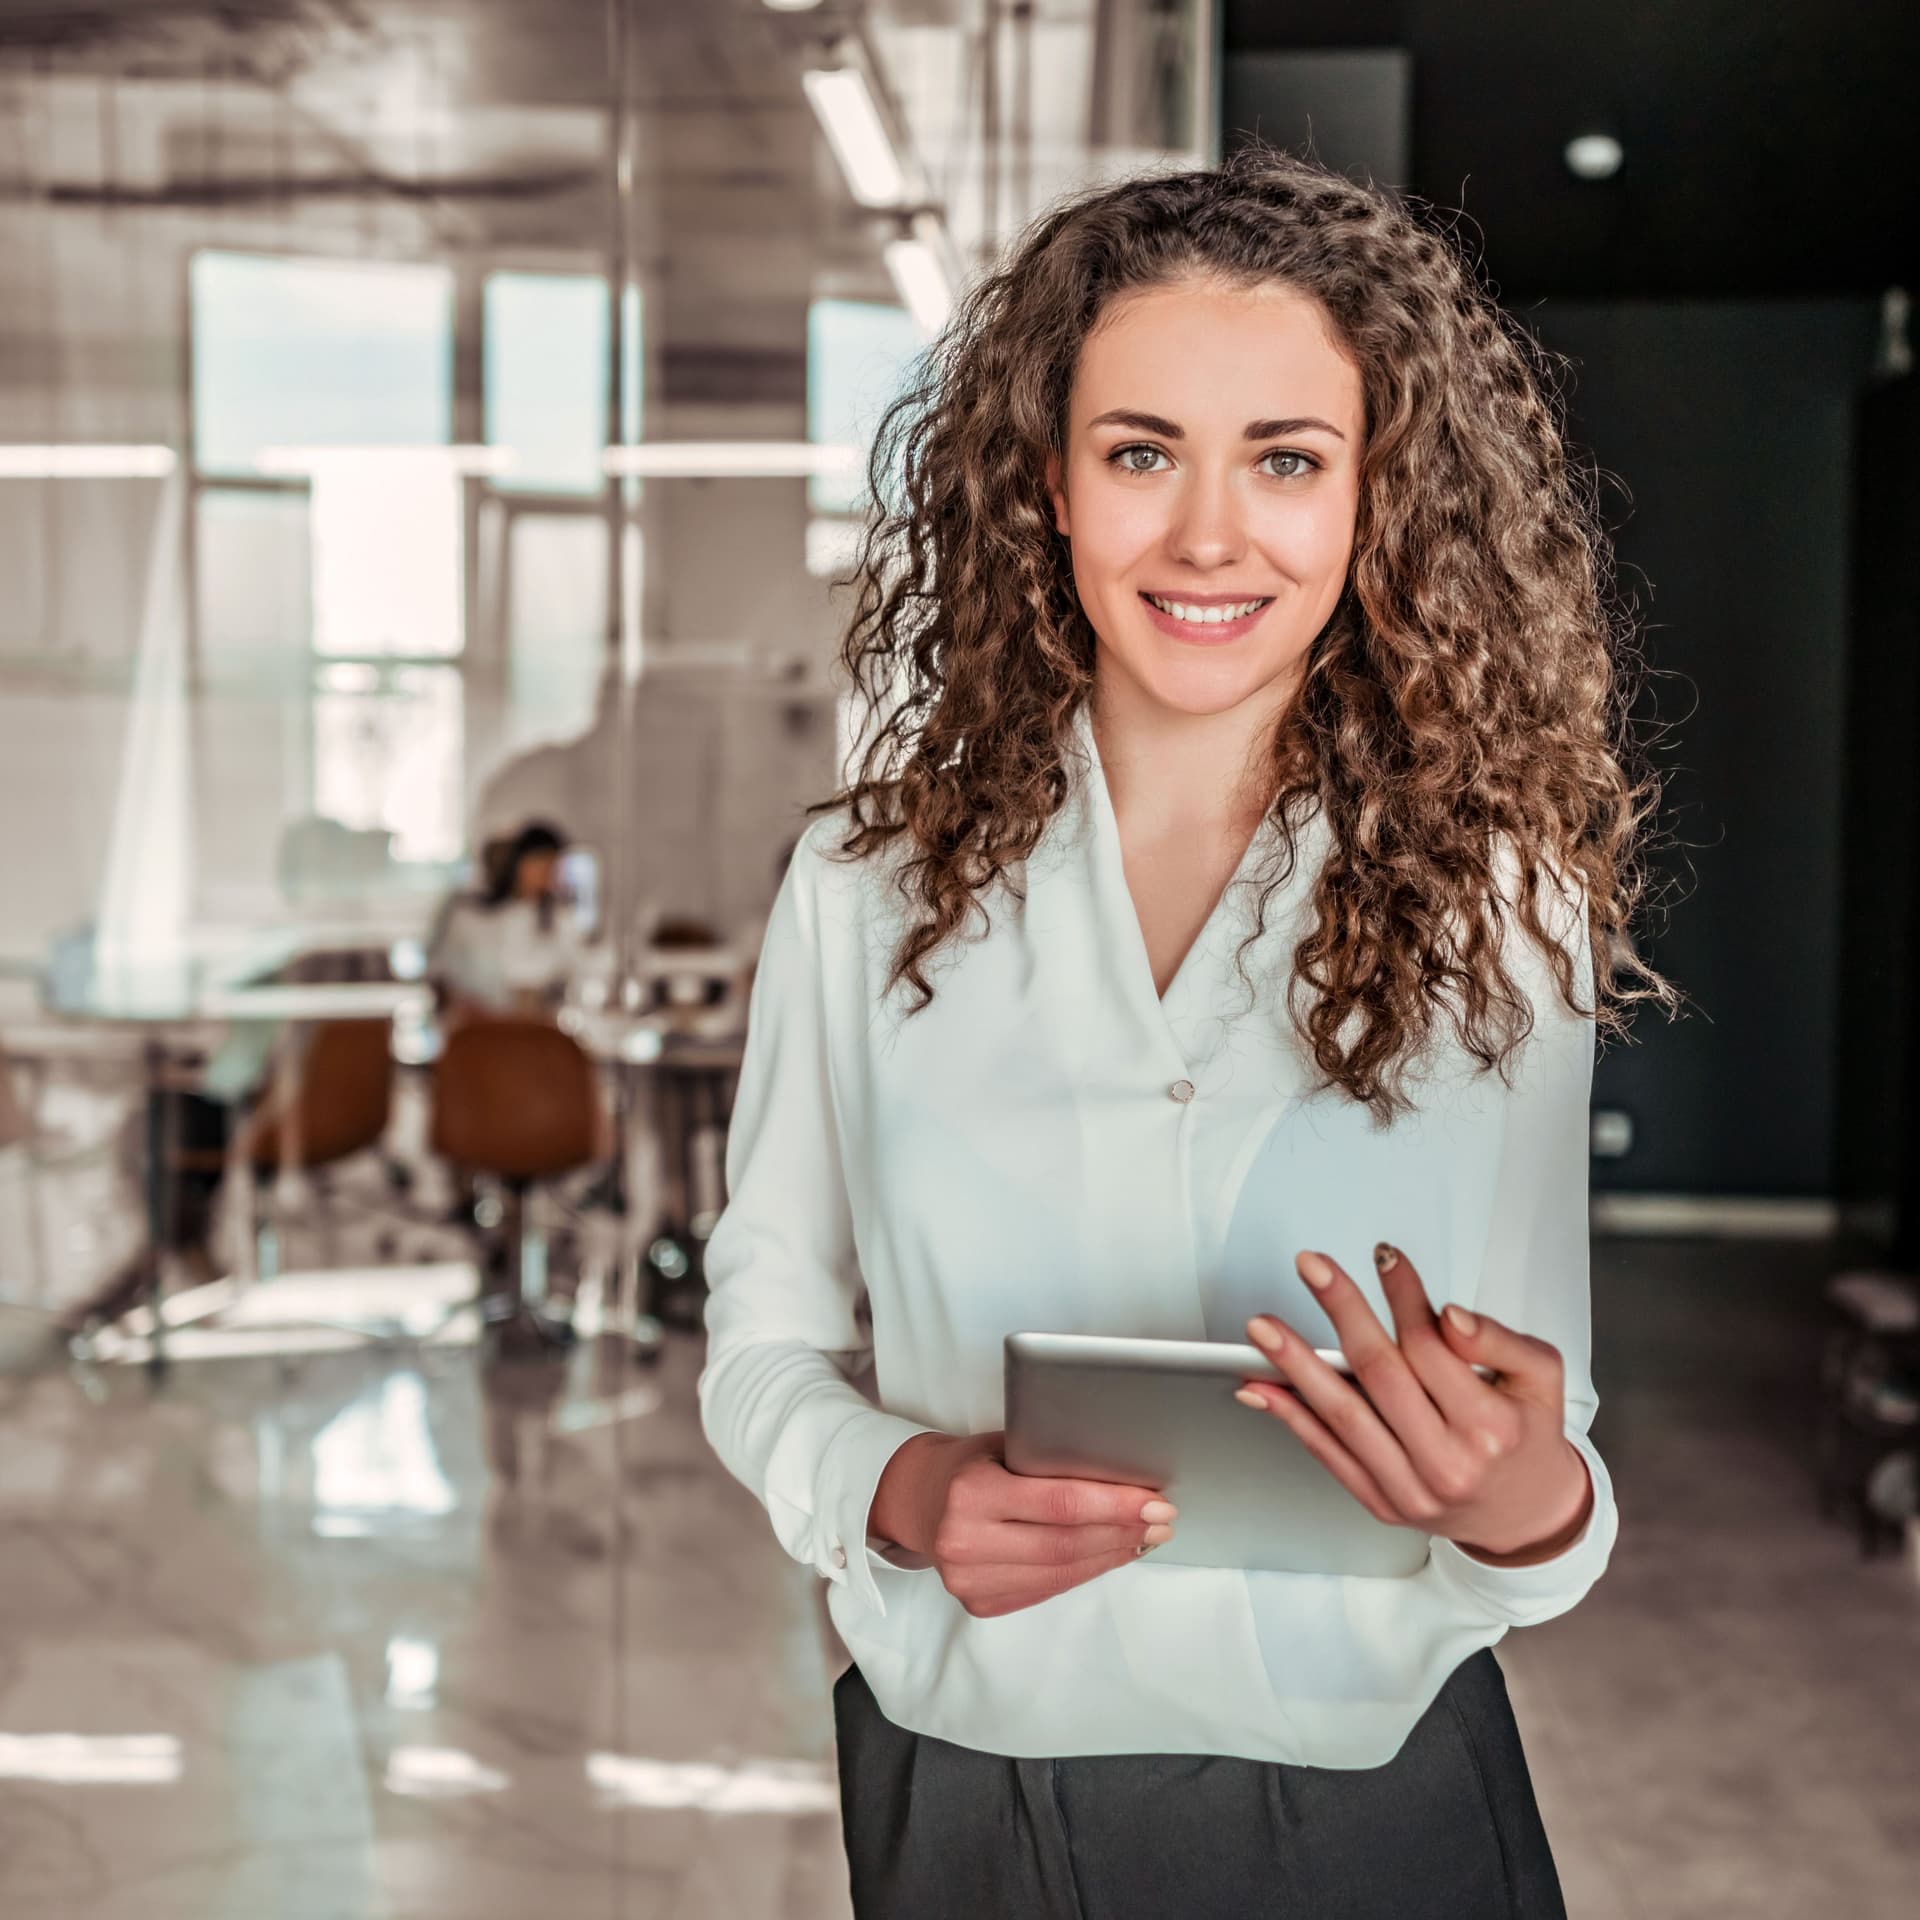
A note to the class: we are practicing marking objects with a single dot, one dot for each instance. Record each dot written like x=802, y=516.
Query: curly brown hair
x=1470, y=687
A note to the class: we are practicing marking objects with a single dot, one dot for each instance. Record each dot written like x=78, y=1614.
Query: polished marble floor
x=368, y=1635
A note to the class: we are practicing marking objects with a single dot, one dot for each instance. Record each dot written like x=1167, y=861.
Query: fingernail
x=1386, y=1258
x=1268, y=1332
x=1157, y=1510
x=1138, y=1551
x=1159, y=1536
x=1252, y=1397
x=1315, y=1270
x=1463, y=1321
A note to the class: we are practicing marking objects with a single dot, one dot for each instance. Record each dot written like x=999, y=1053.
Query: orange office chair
x=340, y=1106
x=518, y=1100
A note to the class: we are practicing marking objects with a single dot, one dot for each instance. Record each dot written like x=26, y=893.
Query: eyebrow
x=1254, y=430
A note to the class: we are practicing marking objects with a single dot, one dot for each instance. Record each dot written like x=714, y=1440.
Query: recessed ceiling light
x=1594, y=156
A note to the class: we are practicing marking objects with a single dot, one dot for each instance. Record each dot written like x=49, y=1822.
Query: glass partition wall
x=421, y=420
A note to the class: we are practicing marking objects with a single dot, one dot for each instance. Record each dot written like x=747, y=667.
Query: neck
x=1174, y=773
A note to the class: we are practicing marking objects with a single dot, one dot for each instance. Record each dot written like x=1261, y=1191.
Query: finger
x=1022, y=1543
x=1313, y=1435
x=1379, y=1366
x=1007, y=1589
x=1530, y=1368
x=1450, y=1381
x=1365, y=1433
x=1066, y=1502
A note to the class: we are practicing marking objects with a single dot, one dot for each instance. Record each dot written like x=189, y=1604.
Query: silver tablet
x=1161, y=1413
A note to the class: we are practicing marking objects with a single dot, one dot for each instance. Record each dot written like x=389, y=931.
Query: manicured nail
x=1157, y=1510
x=1268, y=1332
x=1463, y=1321
x=1315, y=1270
x=1386, y=1258
x=1159, y=1536
x=1252, y=1397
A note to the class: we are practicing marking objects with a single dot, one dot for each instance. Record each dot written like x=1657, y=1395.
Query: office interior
x=433, y=437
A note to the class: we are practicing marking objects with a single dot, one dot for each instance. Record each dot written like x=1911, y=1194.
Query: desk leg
x=161, y=1147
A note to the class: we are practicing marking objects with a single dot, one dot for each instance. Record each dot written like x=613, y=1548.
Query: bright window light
x=292, y=352
x=844, y=105
x=545, y=377
x=387, y=544
x=860, y=358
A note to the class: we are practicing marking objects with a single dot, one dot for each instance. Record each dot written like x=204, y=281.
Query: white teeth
x=1205, y=616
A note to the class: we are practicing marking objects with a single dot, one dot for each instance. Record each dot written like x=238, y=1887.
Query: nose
x=1208, y=530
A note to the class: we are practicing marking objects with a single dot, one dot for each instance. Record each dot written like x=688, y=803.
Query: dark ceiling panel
x=1768, y=148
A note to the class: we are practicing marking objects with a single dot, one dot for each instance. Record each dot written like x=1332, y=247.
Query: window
x=860, y=357
x=312, y=353
x=545, y=378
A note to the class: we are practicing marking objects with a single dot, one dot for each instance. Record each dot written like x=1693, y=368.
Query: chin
x=1203, y=685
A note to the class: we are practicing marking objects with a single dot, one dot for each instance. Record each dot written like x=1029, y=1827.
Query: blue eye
x=1118, y=457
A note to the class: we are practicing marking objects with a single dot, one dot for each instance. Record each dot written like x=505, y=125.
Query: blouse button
x=839, y=1556
x=1181, y=1090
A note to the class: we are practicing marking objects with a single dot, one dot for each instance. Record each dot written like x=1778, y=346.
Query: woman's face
x=538, y=876
x=1212, y=461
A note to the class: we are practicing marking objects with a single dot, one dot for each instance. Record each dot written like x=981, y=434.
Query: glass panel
x=253, y=582
x=546, y=377
x=859, y=357
x=387, y=753
x=556, y=625
x=309, y=353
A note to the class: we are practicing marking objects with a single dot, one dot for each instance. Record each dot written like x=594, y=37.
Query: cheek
x=1314, y=540
x=1111, y=543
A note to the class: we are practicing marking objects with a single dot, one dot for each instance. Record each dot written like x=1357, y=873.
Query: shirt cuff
x=849, y=1477
x=1524, y=1596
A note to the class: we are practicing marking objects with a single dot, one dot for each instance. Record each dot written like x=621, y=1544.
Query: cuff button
x=839, y=1555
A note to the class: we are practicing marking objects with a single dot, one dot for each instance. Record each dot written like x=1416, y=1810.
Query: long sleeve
x=1535, y=1272
x=776, y=1399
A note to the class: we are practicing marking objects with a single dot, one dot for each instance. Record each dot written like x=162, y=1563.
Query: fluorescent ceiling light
x=920, y=278
x=848, y=116
x=729, y=459
x=462, y=459
x=86, y=463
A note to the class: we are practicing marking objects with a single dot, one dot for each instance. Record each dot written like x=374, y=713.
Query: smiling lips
x=1205, y=618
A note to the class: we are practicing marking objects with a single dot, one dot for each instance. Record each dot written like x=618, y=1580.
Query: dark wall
x=1877, y=1127
x=1731, y=424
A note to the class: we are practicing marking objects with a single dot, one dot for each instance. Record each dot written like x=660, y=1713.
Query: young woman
x=510, y=946
x=1210, y=944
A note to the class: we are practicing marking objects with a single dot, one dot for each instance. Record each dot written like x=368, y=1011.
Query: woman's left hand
x=1429, y=1443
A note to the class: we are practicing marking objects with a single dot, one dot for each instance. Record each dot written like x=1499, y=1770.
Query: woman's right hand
x=1002, y=1540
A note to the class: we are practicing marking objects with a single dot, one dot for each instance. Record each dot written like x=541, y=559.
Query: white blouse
x=1051, y=1145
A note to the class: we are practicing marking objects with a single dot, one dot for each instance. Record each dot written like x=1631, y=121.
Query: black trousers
x=1446, y=1830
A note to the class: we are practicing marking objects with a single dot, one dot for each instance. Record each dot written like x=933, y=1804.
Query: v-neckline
x=1107, y=833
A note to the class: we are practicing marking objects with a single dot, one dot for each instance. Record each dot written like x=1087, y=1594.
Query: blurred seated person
x=510, y=946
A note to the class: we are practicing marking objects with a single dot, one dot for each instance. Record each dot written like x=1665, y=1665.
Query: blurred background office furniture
x=26, y=1250
x=334, y=1102
x=1868, y=1442
x=517, y=1100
